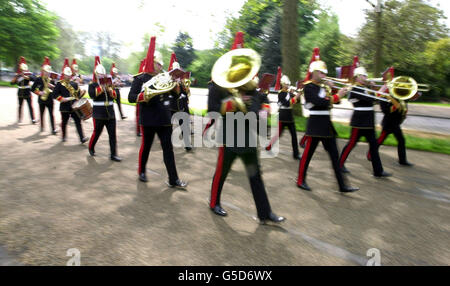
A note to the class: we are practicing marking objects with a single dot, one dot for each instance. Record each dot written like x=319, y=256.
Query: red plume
x=149, y=63
x=46, y=62
x=238, y=41
x=74, y=62
x=21, y=61
x=278, y=82
x=97, y=62
x=173, y=58
x=315, y=57
x=113, y=65
x=388, y=74
x=66, y=64
x=354, y=65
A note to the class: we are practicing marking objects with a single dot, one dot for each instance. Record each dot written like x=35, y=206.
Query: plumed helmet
x=318, y=66
x=285, y=80
x=360, y=71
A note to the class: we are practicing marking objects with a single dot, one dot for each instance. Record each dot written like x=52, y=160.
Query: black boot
x=406, y=163
x=273, y=219
x=92, y=152
x=304, y=186
x=178, y=184
x=218, y=210
x=115, y=158
x=143, y=177
x=348, y=189
x=383, y=174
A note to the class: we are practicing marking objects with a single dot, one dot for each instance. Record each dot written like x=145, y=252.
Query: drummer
x=103, y=94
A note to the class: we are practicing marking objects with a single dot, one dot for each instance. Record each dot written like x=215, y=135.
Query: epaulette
x=307, y=82
x=137, y=74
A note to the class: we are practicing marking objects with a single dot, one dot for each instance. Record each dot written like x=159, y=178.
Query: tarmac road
x=54, y=197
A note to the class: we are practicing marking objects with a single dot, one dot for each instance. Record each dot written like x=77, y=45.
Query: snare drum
x=83, y=108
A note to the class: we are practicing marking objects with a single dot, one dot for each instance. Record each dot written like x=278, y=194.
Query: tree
x=184, y=50
x=289, y=44
x=69, y=43
x=437, y=68
x=26, y=29
x=202, y=65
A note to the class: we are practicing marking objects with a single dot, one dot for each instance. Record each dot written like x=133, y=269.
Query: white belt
x=363, y=108
x=319, y=112
x=103, y=103
x=284, y=107
x=24, y=87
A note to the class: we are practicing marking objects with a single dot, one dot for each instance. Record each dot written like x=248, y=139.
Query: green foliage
x=408, y=27
x=202, y=65
x=183, y=49
x=26, y=29
x=436, y=69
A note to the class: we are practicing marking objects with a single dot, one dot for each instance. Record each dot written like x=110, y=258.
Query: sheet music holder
x=177, y=74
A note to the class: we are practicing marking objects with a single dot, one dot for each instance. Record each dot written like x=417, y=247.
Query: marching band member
x=43, y=87
x=103, y=115
x=179, y=102
x=117, y=83
x=394, y=114
x=362, y=123
x=22, y=79
x=286, y=100
x=76, y=77
x=319, y=101
x=233, y=90
x=66, y=91
x=154, y=116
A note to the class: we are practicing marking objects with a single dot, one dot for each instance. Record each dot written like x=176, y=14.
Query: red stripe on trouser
x=141, y=150
x=301, y=168
x=207, y=127
x=382, y=137
x=217, y=177
x=349, y=147
x=93, y=135
x=303, y=140
x=137, y=117
x=275, y=138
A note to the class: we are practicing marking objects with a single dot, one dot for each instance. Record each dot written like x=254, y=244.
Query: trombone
x=346, y=83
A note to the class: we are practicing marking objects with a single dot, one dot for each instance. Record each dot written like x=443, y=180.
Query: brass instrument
x=157, y=85
x=350, y=86
x=46, y=90
x=402, y=87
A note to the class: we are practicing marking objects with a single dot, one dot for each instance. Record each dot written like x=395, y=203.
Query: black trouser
x=330, y=145
x=65, y=118
x=373, y=145
x=119, y=103
x=165, y=136
x=30, y=107
x=98, y=128
x=291, y=127
x=250, y=159
x=49, y=106
x=401, y=146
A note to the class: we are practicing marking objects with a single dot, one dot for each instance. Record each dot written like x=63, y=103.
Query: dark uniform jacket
x=61, y=91
x=106, y=108
x=316, y=100
x=23, y=84
x=392, y=117
x=38, y=86
x=285, y=106
x=361, y=119
x=155, y=112
x=183, y=100
x=253, y=102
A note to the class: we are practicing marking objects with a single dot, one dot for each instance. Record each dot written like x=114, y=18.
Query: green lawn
x=437, y=145
x=431, y=104
x=6, y=83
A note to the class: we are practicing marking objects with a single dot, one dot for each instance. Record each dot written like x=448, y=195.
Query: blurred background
x=411, y=35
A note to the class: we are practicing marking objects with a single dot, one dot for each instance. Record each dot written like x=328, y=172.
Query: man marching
x=363, y=123
x=22, y=79
x=43, y=87
x=117, y=84
x=394, y=114
x=103, y=115
x=286, y=100
x=66, y=91
x=319, y=101
x=232, y=92
x=154, y=114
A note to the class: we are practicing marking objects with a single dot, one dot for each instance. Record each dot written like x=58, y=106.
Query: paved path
x=54, y=196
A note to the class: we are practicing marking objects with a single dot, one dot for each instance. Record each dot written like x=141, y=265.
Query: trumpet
x=351, y=85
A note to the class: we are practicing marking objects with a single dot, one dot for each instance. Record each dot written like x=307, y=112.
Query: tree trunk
x=379, y=41
x=289, y=45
